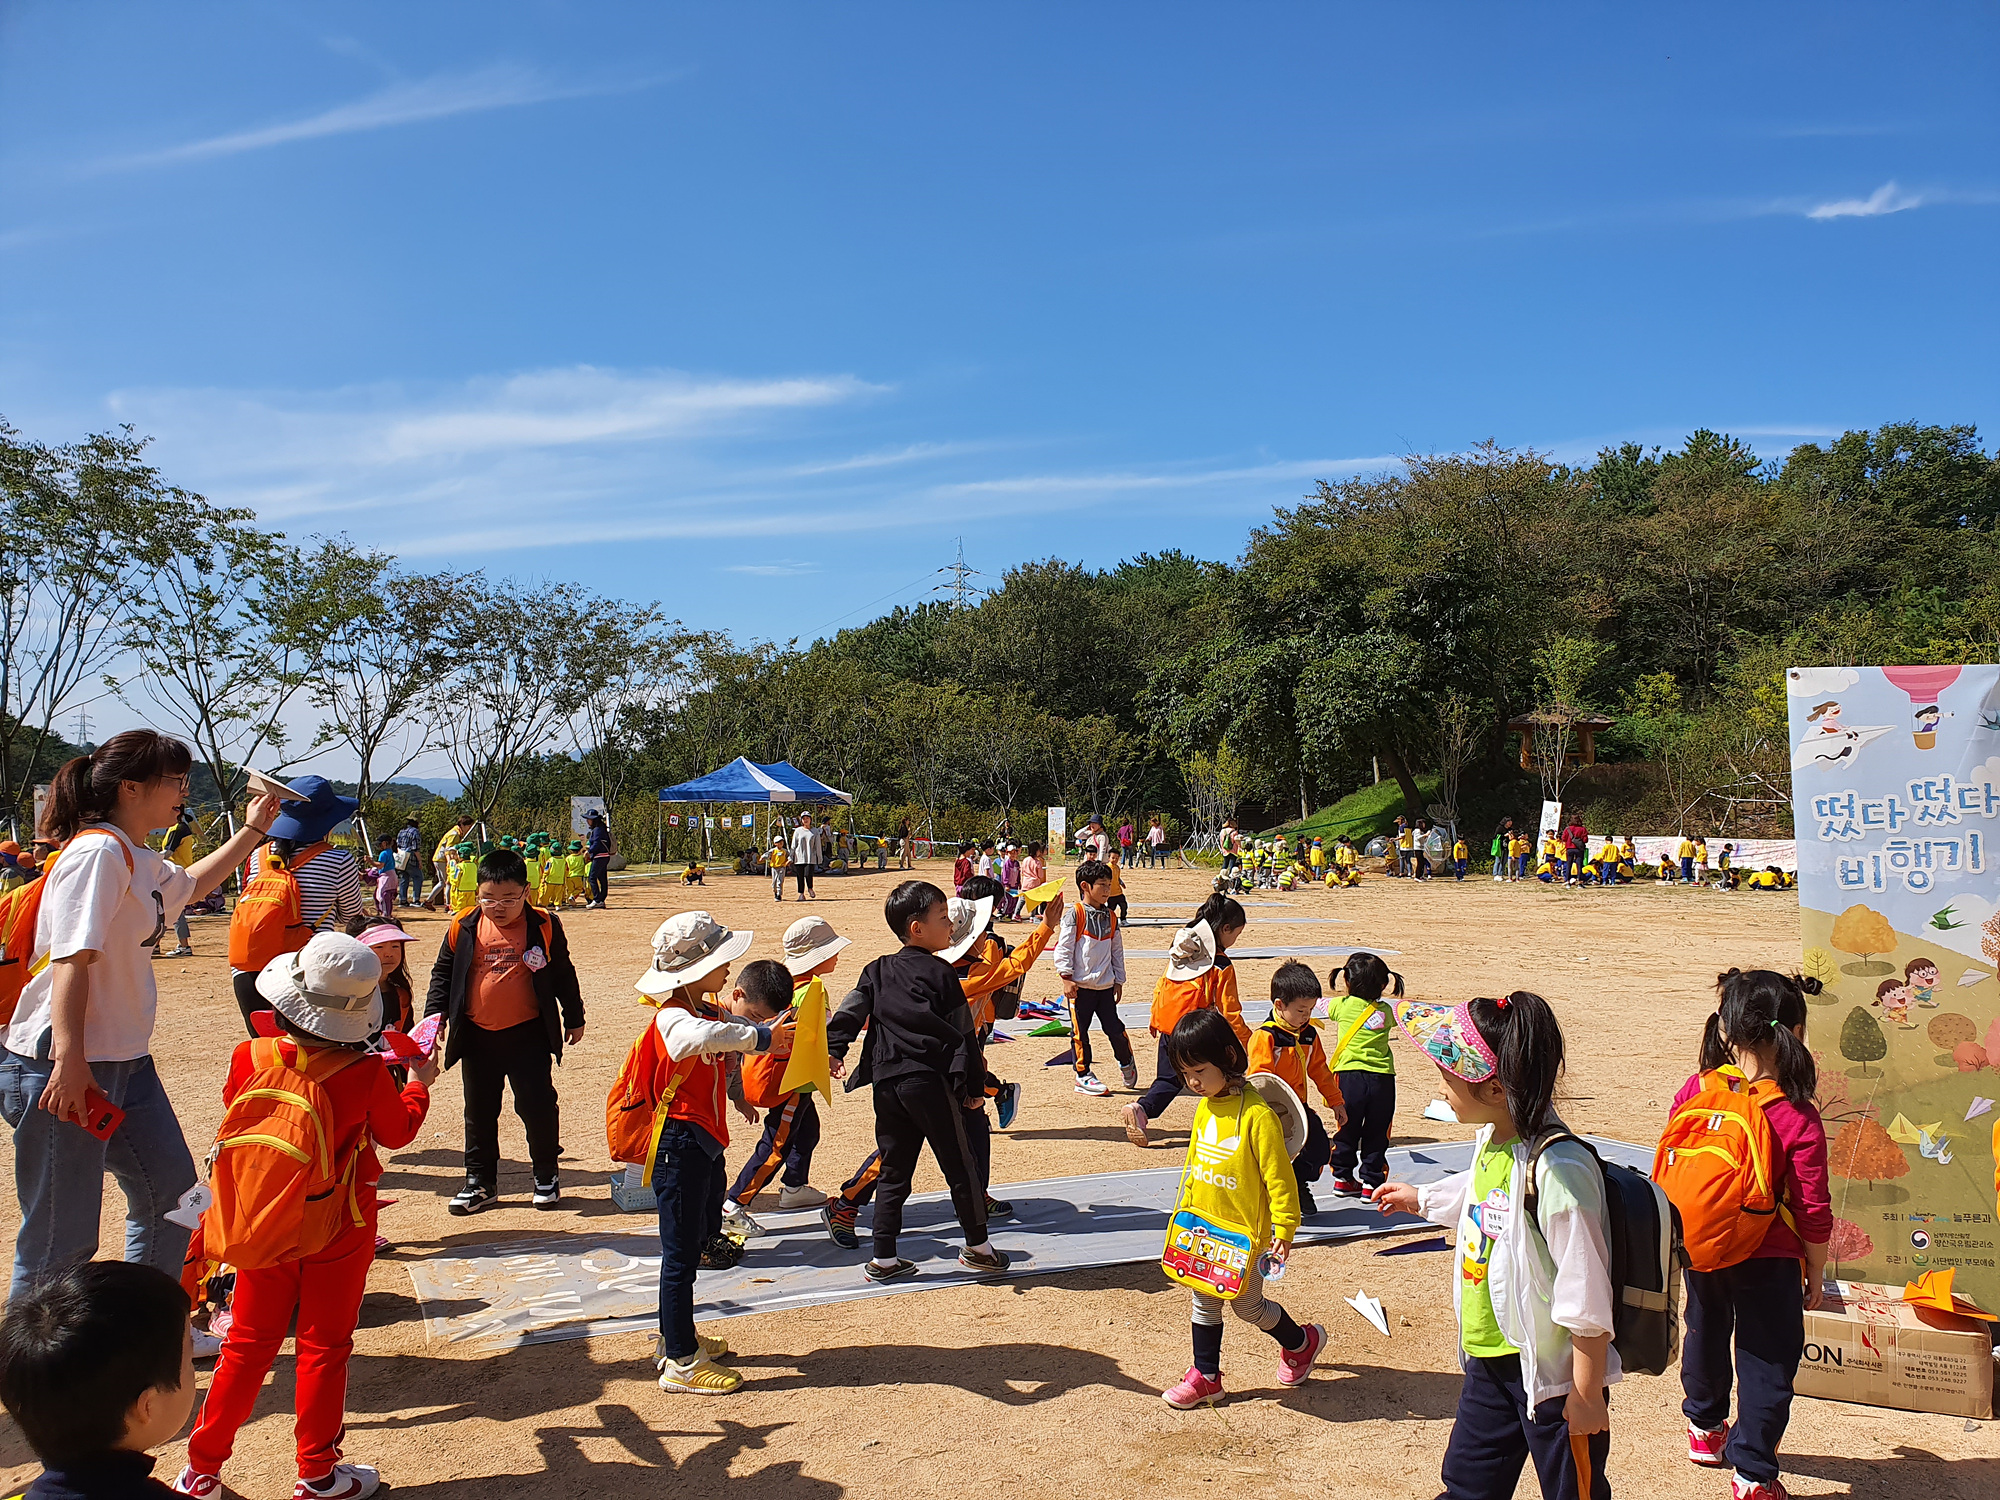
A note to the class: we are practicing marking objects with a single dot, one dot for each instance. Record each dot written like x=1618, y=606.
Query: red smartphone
x=100, y=1115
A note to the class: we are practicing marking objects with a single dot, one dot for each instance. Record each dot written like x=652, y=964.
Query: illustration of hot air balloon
x=1924, y=685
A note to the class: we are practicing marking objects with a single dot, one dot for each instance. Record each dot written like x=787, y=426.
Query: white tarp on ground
x=603, y=1281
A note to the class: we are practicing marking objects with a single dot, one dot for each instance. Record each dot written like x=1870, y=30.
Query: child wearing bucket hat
x=791, y=1120
x=668, y=1114
x=1534, y=1300
x=1199, y=976
x=318, y=1075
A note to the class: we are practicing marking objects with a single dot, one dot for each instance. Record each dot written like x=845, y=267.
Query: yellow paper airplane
x=1042, y=892
x=807, y=1066
x=1902, y=1131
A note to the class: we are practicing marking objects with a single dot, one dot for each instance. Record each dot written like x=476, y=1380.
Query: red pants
x=325, y=1290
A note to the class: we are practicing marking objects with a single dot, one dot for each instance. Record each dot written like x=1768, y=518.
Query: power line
x=80, y=730
x=958, y=588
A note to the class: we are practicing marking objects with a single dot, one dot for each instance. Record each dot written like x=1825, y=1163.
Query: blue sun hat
x=1449, y=1038
x=320, y=812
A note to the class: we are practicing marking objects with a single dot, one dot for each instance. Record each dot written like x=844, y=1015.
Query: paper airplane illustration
x=1979, y=1107
x=1824, y=751
x=1972, y=976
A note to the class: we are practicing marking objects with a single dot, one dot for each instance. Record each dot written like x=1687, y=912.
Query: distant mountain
x=406, y=793
x=442, y=786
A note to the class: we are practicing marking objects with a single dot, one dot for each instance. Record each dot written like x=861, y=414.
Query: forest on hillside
x=1387, y=625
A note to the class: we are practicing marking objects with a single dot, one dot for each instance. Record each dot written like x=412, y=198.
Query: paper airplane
x=807, y=1067
x=1839, y=748
x=269, y=786
x=1972, y=976
x=1902, y=1132
x=1440, y=1111
x=1371, y=1309
x=1979, y=1107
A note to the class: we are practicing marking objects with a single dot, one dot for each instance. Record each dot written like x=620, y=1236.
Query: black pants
x=1103, y=1006
x=518, y=1057
x=1313, y=1156
x=910, y=1111
x=1761, y=1304
x=979, y=1141
x=248, y=1000
x=1118, y=904
x=687, y=1186
x=600, y=878
x=1361, y=1146
x=791, y=1132
x=804, y=874
x=1494, y=1434
x=1166, y=1086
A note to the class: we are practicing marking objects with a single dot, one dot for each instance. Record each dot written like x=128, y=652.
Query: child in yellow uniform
x=464, y=880
x=1461, y=856
x=1346, y=865
x=1316, y=858
x=576, y=873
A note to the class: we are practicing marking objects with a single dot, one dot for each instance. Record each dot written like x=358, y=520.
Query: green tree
x=1862, y=1041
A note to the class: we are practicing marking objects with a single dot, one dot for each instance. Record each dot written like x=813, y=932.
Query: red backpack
x=269, y=920
x=1719, y=1163
x=20, y=915
x=280, y=1194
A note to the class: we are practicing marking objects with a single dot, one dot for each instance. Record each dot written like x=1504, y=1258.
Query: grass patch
x=1361, y=814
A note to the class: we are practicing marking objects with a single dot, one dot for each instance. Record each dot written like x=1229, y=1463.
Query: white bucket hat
x=331, y=988
x=810, y=942
x=1277, y=1093
x=1192, y=953
x=687, y=946
x=968, y=920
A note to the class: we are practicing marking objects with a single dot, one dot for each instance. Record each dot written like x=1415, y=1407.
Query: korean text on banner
x=1896, y=803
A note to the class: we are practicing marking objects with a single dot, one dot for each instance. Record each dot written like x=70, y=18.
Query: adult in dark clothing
x=410, y=863
x=597, y=844
x=922, y=1055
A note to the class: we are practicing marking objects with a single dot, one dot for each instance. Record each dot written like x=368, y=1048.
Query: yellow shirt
x=1317, y=856
x=1686, y=850
x=1344, y=855
x=1237, y=1168
x=1459, y=851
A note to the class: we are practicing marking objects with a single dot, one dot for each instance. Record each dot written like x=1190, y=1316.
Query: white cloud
x=438, y=97
x=1886, y=199
x=1815, y=682
x=1166, y=478
x=773, y=569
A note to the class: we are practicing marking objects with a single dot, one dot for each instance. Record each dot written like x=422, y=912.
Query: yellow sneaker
x=711, y=1347
x=700, y=1376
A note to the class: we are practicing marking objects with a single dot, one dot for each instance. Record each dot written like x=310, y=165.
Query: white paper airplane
x=1979, y=1107
x=1371, y=1309
x=1825, y=751
x=1972, y=976
x=1440, y=1111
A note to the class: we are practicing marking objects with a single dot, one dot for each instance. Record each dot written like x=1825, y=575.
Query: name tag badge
x=534, y=958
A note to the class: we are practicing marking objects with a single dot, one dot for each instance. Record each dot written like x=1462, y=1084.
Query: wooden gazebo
x=1586, y=725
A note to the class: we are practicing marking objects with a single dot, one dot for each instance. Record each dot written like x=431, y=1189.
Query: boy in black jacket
x=97, y=1365
x=923, y=1056
x=505, y=985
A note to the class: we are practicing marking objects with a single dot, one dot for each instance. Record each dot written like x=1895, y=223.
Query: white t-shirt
x=805, y=847
x=93, y=905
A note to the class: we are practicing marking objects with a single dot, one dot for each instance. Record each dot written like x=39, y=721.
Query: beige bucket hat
x=968, y=920
x=1192, y=952
x=810, y=942
x=685, y=947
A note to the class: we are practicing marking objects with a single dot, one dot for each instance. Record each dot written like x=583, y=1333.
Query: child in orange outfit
x=1288, y=1046
x=1199, y=976
x=327, y=1001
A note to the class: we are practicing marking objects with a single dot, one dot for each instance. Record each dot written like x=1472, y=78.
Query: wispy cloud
x=1163, y=478
x=773, y=569
x=439, y=97
x=1886, y=199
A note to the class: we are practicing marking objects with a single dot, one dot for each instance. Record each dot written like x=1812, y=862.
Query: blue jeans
x=410, y=883
x=688, y=1186
x=59, y=1169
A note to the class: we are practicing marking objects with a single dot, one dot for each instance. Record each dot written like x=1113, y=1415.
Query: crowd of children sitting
x=96, y=1360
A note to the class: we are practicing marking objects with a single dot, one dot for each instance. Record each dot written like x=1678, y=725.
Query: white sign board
x=578, y=806
x=1552, y=816
x=1058, y=830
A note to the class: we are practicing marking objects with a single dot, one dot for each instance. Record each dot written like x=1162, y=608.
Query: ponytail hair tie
x=1501, y=1003
x=1776, y=1023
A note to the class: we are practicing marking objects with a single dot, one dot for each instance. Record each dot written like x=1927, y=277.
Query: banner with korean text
x=1896, y=802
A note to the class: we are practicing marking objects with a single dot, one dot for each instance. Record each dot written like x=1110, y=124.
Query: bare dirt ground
x=1040, y=1386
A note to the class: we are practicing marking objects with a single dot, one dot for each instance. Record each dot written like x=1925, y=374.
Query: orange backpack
x=635, y=1111
x=1718, y=1164
x=279, y=1193
x=269, y=921
x=20, y=915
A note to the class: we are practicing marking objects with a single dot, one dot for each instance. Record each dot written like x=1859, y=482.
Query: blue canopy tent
x=745, y=780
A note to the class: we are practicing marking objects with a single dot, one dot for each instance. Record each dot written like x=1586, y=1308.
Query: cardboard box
x=1867, y=1345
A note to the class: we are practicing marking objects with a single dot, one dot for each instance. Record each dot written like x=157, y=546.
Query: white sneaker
x=1087, y=1083
x=191, y=1481
x=801, y=1197
x=735, y=1217
x=1130, y=1073
x=346, y=1482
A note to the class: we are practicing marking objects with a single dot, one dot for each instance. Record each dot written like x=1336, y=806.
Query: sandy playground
x=1035, y=1386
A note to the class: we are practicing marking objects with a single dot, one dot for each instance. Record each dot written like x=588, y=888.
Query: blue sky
x=755, y=309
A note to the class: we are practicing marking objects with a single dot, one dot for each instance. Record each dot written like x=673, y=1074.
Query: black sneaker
x=547, y=1194
x=988, y=1260
x=475, y=1199
x=995, y=1209
x=721, y=1254
x=840, y=1226
x=896, y=1272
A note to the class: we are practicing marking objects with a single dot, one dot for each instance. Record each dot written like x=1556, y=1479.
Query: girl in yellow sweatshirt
x=1236, y=1214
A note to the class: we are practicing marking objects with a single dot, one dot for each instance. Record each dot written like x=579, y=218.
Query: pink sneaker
x=1750, y=1489
x=1195, y=1389
x=192, y=1481
x=1705, y=1448
x=1294, y=1365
